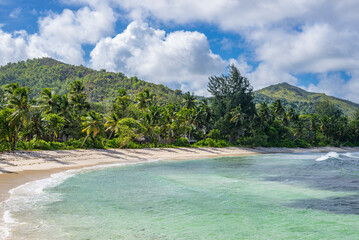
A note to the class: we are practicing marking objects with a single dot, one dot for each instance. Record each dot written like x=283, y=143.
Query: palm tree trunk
x=109, y=137
x=17, y=133
x=189, y=136
x=84, y=141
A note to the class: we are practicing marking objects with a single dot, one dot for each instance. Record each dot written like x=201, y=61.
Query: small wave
x=31, y=194
x=352, y=155
x=328, y=156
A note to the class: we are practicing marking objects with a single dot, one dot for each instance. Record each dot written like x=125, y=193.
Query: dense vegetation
x=302, y=101
x=101, y=86
x=229, y=118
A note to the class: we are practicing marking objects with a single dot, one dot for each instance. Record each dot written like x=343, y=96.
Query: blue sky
x=311, y=44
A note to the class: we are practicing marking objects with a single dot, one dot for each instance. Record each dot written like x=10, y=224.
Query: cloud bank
x=285, y=39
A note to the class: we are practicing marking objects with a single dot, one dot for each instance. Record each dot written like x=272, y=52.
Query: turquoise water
x=280, y=196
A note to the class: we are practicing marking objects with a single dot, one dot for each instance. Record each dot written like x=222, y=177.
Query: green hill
x=302, y=101
x=100, y=86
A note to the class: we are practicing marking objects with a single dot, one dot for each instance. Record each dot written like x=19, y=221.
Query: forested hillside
x=230, y=118
x=100, y=86
x=302, y=101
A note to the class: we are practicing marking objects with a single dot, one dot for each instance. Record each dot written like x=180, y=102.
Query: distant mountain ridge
x=302, y=101
x=100, y=86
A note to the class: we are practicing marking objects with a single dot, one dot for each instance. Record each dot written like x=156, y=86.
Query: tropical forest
x=45, y=104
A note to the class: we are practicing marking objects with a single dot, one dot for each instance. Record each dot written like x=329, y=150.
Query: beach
x=20, y=167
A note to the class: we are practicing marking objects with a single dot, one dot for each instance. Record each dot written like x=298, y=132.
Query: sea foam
x=352, y=155
x=328, y=156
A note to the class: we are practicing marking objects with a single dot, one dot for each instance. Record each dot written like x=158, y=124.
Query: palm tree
x=121, y=104
x=189, y=100
x=77, y=97
x=37, y=125
x=292, y=115
x=92, y=125
x=278, y=109
x=168, y=117
x=236, y=115
x=150, y=121
x=19, y=100
x=264, y=112
x=65, y=107
x=144, y=99
x=111, y=125
x=187, y=121
x=9, y=90
x=49, y=100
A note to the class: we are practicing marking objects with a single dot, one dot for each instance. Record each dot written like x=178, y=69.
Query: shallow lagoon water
x=278, y=196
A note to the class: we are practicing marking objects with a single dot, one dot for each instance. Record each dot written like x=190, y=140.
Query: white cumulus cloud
x=60, y=36
x=12, y=47
x=178, y=59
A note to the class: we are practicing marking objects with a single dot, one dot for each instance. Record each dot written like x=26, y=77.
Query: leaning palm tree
x=18, y=99
x=92, y=124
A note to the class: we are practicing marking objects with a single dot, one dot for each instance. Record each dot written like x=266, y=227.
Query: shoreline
x=20, y=167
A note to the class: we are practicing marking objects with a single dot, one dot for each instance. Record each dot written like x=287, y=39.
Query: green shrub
x=73, y=143
x=40, y=144
x=181, y=142
x=260, y=141
x=209, y=142
x=301, y=143
x=113, y=143
x=214, y=134
x=133, y=145
x=348, y=144
x=5, y=146
x=287, y=143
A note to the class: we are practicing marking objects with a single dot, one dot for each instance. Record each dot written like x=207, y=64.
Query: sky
x=180, y=43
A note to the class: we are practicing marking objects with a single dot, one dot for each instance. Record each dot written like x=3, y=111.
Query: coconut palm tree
x=237, y=115
x=49, y=100
x=77, y=97
x=167, y=120
x=18, y=99
x=151, y=121
x=187, y=121
x=189, y=100
x=111, y=125
x=144, y=99
x=278, y=109
x=92, y=125
x=37, y=124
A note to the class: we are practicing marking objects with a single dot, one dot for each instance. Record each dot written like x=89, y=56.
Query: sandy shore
x=19, y=167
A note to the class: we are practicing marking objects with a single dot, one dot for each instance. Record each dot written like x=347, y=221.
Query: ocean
x=274, y=196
